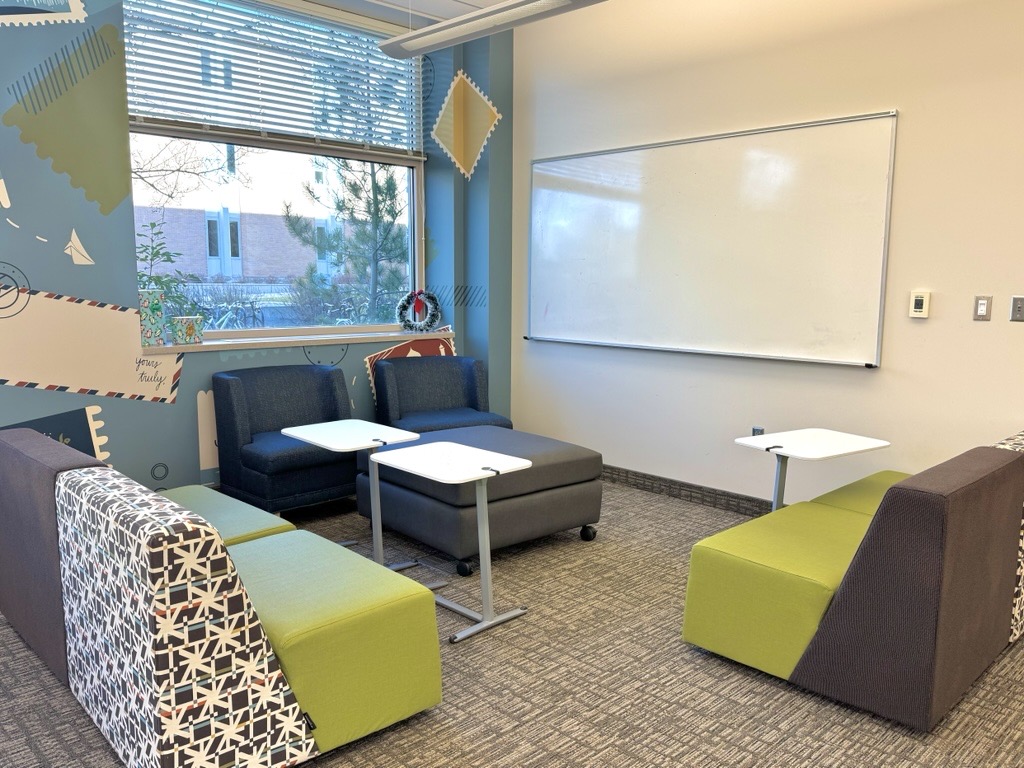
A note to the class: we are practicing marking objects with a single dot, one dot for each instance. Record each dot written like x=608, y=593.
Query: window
x=223, y=249
x=279, y=158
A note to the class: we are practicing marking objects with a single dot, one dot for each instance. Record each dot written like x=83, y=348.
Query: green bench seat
x=893, y=593
x=357, y=641
x=234, y=520
x=757, y=591
x=862, y=495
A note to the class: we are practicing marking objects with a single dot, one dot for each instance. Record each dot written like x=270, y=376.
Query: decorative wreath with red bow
x=418, y=302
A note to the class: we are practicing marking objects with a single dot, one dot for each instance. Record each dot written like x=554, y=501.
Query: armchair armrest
x=231, y=414
x=386, y=384
x=339, y=391
x=476, y=377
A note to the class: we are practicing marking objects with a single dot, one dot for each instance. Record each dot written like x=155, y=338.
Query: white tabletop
x=812, y=444
x=450, y=463
x=349, y=434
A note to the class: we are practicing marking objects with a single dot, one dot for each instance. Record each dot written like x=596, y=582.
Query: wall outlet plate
x=982, y=307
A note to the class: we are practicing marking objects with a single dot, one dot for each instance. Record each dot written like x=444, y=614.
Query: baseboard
x=699, y=494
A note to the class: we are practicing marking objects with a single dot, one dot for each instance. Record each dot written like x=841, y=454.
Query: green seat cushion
x=863, y=495
x=756, y=592
x=357, y=641
x=234, y=520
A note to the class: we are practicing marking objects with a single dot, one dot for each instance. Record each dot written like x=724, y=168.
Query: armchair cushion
x=289, y=395
x=451, y=418
x=272, y=453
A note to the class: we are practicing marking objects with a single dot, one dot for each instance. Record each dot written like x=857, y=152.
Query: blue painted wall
x=157, y=443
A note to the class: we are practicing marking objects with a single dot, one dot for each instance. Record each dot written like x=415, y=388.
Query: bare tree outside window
x=171, y=168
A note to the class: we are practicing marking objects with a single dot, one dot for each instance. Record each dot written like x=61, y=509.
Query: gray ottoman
x=561, y=490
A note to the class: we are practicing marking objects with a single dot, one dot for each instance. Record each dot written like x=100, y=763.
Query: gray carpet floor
x=595, y=674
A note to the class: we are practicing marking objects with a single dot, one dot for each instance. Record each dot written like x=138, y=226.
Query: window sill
x=313, y=340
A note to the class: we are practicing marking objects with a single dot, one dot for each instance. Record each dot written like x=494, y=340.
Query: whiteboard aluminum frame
x=892, y=113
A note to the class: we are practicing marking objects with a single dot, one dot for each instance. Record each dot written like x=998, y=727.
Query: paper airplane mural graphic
x=77, y=251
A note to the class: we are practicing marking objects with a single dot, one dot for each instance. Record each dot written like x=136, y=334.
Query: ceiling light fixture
x=486, y=21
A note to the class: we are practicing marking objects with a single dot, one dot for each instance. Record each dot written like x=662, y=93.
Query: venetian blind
x=252, y=67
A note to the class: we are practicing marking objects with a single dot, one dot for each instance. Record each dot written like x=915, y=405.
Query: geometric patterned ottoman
x=165, y=651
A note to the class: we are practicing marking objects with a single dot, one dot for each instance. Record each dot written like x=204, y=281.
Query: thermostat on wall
x=919, y=301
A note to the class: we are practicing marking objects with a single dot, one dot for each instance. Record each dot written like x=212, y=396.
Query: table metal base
x=402, y=566
x=376, y=526
x=485, y=619
x=782, y=463
x=481, y=622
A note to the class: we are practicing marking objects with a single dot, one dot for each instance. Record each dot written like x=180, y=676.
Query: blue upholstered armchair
x=261, y=466
x=423, y=394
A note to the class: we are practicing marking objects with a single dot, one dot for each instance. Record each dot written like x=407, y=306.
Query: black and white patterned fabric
x=165, y=651
x=1016, y=443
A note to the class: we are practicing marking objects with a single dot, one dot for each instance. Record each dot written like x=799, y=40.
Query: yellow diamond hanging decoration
x=465, y=123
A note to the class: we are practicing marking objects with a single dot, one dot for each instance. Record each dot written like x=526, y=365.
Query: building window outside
x=323, y=262
x=281, y=229
x=223, y=248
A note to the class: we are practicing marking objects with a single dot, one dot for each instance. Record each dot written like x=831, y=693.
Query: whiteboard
x=764, y=243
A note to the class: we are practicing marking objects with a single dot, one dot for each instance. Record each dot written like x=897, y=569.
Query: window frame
x=411, y=159
x=414, y=161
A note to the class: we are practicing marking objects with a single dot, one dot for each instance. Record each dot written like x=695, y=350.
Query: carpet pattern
x=595, y=674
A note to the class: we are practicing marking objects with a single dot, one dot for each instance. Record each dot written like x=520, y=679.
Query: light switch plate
x=982, y=307
x=1017, y=309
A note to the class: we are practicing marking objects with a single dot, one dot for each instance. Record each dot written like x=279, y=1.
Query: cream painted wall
x=628, y=72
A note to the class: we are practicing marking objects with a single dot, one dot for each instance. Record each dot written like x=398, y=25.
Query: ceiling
x=438, y=9
x=410, y=13
x=699, y=22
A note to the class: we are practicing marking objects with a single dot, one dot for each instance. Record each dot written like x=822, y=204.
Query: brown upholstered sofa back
x=30, y=586
x=926, y=604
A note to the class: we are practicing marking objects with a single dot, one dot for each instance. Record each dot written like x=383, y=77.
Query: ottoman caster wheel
x=588, y=533
x=463, y=568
